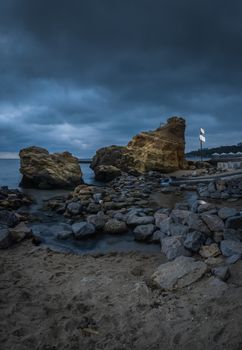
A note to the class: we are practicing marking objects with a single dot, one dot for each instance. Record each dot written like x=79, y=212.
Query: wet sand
x=61, y=301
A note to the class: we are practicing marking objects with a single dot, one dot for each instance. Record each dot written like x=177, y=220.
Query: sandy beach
x=62, y=301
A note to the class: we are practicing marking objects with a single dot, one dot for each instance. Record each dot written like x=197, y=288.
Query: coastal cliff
x=159, y=150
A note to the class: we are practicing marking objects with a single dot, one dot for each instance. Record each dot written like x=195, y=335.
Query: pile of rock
x=13, y=226
x=215, y=235
x=204, y=229
x=201, y=229
x=13, y=199
x=221, y=189
x=124, y=192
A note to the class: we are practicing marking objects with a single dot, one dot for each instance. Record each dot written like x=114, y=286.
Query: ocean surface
x=10, y=175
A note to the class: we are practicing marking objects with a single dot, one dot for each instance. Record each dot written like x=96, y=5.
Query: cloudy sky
x=78, y=75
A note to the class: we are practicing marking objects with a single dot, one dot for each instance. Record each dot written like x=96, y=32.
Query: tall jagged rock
x=43, y=170
x=160, y=150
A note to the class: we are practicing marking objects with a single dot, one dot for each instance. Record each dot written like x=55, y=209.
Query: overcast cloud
x=80, y=75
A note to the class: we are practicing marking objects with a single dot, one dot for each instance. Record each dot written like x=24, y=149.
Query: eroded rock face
x=117, y=156
x=159, y=150
x=43, y=170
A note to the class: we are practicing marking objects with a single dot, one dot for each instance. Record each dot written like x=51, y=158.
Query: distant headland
x=208, y=152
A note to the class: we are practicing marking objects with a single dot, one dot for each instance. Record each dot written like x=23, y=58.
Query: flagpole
x=201, y=150
x=202, y=140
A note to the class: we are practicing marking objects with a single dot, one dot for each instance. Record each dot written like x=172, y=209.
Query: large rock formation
x=44, y=170
x=159, y=150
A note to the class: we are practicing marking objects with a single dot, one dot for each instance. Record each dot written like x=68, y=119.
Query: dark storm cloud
x=79, y=75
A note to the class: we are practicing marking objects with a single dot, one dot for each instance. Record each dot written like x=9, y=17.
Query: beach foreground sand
x=62, y=301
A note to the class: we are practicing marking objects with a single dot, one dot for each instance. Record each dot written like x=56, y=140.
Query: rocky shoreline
x=124, y=205
x=201, y=250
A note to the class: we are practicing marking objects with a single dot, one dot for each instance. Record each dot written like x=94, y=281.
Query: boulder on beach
x=179, y=273
x=43, y=170
x=159, y=150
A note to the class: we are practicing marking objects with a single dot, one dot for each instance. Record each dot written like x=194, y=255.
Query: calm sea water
x=10, y=175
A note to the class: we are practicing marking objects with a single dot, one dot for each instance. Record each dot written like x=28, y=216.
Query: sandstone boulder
x=208, y=251
x=159, y=150
x=43, y=170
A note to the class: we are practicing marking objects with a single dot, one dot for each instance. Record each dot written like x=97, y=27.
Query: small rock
x=234, y=222
x=134, y=220
x=93, y=208
x=62, y=231
x=181, y=272
x=173, y=247
x=222, y=272
x=182, y=206
x=164, y=226
x=209, y=241
x=114, y=226
x=8, y=218
x=218, y=236
x=20, y=232
x=196, y=224
x=202, y=208
x=233, y=259
x=194, y=240
x=233, y=235
x=207, y=251
x=74, y=208
x=143, y=232
x=179, y=216
x=214, y=223
x=157, y=236
x=225, y=213
x=83, y=229
x=120, y=216
x=178, y=230
x=214, y=261
x=98, y=220
x=229, y=247
x=159, y=217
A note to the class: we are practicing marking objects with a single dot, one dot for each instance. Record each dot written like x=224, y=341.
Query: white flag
x=202, y=138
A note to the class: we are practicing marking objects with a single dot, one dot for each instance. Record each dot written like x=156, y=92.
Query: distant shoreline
x=83, y=161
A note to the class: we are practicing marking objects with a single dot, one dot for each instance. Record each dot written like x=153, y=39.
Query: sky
x=79, y=75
